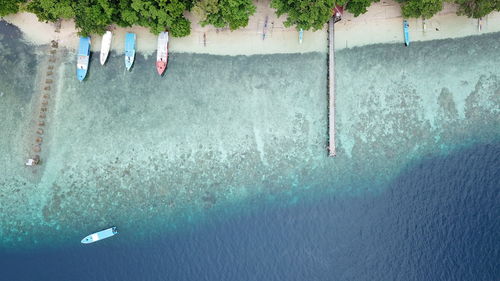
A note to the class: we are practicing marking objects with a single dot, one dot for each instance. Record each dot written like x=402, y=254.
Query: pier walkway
x=47, y=72
x=331, y=89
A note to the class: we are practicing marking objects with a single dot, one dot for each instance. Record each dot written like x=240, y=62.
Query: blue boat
x=129, y=50
x=103, y=234
x=406, y=30
x=82, y=62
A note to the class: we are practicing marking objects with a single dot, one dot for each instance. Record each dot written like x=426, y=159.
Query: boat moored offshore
x=105, y=46
x=129, y=50
x=162, y=53
x=100, y=235
x=83, y=56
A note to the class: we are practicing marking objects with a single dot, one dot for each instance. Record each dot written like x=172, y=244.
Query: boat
x=129, y=50
x=100, y=235
x=406, y=28
x=301, y=35
x=105, y=46
x=83, y=55
x=162, y=53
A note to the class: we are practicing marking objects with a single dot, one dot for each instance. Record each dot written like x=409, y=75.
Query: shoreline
x=381, y=24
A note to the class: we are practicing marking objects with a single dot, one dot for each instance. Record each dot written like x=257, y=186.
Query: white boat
x=105, y=46
x=162, y=53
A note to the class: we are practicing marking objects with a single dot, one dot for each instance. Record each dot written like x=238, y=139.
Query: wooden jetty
x=331, y=88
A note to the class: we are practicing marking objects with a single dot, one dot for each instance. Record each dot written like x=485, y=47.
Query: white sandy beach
x=381, y=24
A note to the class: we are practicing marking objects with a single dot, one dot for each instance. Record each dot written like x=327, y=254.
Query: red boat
x=162, y=53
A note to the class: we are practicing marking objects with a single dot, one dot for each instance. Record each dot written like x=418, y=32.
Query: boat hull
x=129, y=61
x=83, y=58
x=105, y=46
x=406, y=31
x=129, y=50
x=100, y=235
x=81, y=73
x=160, y=67
x=162, y=53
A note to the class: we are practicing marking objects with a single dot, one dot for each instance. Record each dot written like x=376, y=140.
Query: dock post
x=331, y=89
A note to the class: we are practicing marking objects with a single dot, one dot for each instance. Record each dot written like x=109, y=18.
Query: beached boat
x=105, y=46
x=301, y=35
x=406, y=30
x=83, y=55
x=129, y=50
x=100, y=235
x=162, y=53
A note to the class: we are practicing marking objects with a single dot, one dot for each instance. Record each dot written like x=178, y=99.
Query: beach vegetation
x=304, y=14
x=420, y=8
x=95, y=16
x=91, y=16
x=51, y=10
x=157, y=15
x=224, y=13
x=477, y=8
x=9, y=6
x=356, y=7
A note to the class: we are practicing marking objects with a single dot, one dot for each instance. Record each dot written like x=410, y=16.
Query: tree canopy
x=477, y=8
x=94, y=16
x=9, y=6
x=356, y=7
x=158, y=15
x=420, y=8
x=304, y=14
x=224, y=13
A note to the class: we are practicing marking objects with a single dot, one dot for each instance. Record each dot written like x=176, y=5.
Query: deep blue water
x=438, y=220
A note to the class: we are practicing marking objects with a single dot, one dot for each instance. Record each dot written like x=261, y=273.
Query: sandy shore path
x=381, y=24
x=209, y=40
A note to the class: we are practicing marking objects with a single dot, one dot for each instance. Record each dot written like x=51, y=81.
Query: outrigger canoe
x=162, y=53
x=406, y=31
x=129, y=50
x=100, y=235
x=82, y=61
x=105, y=46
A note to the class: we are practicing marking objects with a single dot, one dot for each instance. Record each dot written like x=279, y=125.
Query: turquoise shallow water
x=218, y=132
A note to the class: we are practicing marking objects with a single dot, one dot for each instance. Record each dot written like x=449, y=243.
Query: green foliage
x=203, y=8
x=51, y=10
x=477, y=8
x=420, y=8
x=222, y=13
x=357, y=7
x=94, y=16
x=158, y=15
x=9, y=6
x=304, y=14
